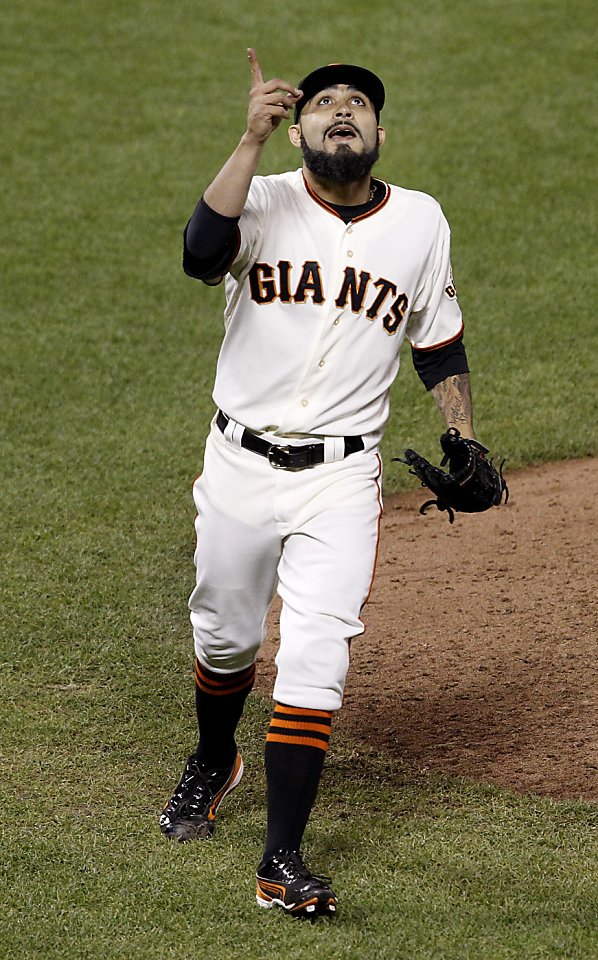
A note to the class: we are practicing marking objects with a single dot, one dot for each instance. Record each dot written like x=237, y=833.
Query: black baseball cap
x=334, y=73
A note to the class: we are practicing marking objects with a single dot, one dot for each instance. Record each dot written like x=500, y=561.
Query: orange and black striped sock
x=296, y=746
x=219, y=702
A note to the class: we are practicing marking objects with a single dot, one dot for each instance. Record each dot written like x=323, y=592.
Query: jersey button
x=350, y=230
x=304, y=403
x=336, y=322
x=349, y=253
x=322, y=363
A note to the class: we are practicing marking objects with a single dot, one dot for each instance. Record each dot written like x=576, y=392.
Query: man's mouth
x=341, y=133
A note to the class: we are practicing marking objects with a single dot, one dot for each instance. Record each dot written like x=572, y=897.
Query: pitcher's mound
x=480, y=652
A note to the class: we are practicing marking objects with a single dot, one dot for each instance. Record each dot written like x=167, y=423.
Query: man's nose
x=344, y=110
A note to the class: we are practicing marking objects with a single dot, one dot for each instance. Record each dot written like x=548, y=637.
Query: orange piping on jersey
x=444, y=343
x=383, y=202
x=326, y=206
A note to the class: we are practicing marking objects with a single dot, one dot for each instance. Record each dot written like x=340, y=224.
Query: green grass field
x=115, y=117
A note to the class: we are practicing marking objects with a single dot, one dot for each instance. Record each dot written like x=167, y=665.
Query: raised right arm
x=269, y=104
x=211, y=234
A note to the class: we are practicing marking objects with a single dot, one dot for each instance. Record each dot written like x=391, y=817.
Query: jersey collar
x=326, y=206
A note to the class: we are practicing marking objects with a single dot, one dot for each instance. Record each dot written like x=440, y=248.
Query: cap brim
x=329, y=76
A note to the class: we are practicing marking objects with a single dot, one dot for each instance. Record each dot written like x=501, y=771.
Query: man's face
x=338, y=134
x=338, y=117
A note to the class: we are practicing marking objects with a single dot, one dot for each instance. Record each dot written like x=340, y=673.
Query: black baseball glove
x=472, y=483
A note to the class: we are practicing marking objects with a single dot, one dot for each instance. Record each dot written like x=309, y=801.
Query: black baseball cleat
x=284, y=881
x=191, y=811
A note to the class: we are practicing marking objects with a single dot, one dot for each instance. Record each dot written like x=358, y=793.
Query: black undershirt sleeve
x=211, y=241
x=432, y=366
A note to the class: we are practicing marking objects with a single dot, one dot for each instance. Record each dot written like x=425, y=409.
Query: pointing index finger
x=257, y=76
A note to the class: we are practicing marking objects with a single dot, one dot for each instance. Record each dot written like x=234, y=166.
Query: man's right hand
x=269, y=102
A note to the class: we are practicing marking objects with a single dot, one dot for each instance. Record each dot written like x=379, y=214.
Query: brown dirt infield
x=480, y=652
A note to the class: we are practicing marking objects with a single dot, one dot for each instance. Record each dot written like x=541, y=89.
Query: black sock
x=219, y=702
x=296, y=746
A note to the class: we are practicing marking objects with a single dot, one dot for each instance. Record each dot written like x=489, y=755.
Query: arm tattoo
x=453, y=398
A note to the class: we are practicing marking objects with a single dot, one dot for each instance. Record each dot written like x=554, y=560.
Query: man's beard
x=343, y=166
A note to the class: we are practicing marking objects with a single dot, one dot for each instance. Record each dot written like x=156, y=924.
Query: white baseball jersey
x=317, y=309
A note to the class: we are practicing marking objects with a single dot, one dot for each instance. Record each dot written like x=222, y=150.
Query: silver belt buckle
x=275, y=452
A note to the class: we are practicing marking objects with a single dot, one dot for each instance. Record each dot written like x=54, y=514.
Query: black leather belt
x=286, y=457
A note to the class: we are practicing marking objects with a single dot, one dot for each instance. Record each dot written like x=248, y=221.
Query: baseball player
x=326, y=270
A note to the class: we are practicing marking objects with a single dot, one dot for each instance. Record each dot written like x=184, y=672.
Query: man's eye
x=324, y=100
x=358, y=100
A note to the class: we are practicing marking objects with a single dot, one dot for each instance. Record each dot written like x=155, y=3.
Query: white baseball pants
x=313, y=534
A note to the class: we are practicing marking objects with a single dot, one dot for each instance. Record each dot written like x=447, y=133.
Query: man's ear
x=294, y=132
x=381, y=136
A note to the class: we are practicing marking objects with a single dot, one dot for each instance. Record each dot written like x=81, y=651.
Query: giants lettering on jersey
x=268, y=283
